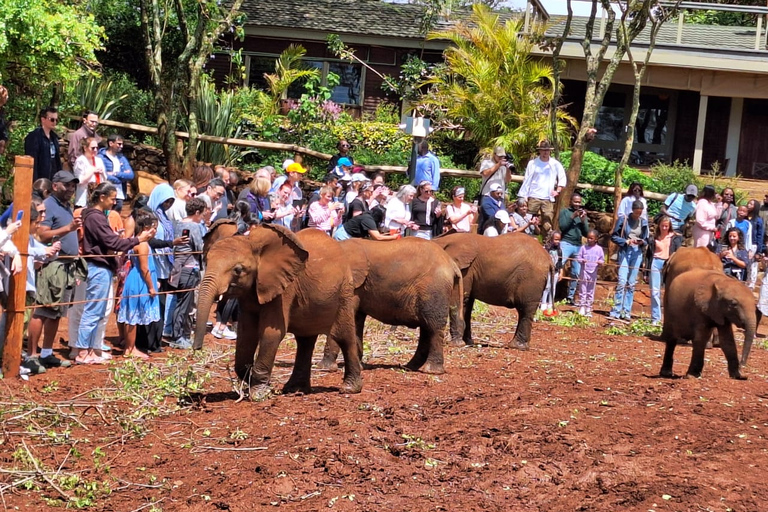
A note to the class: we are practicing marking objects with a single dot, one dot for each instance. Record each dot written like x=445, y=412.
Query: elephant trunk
x=749, y=335
x=208, y=291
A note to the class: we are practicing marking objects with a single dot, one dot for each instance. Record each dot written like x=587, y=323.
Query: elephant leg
x=330, y=354
x=302, y=368
x=344, y=334
x=728, y=346
x=525, y=314
x=359, y=331
x=272, y=329
x=469, y=304
x=699, y=342
x=429, y=352
x=246, y=344
x=669, y=357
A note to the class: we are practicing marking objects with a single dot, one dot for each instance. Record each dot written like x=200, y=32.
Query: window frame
x=325, y=61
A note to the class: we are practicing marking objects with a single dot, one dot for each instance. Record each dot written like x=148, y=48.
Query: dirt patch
x=579, y=422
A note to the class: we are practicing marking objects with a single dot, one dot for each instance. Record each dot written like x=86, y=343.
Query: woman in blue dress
x=140, y=304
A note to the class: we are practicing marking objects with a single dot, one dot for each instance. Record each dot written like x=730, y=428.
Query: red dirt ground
x=579, y=422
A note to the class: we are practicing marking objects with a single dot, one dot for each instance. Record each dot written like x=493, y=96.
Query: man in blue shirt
x=427, y=167
x=119, y=170
x=680, y=207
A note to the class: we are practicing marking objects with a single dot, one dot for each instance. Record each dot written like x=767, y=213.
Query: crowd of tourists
x=95, y=251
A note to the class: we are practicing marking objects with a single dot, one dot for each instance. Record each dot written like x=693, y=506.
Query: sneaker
x=105, y=347
x=33, y=365
x=23, y=370
x=589, y=313
x=582, y=311
x=570, y=301
x=181, y=343
x=52, y=361
x=225, y=333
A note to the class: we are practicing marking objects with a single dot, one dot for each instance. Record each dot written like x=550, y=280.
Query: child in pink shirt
x=591, y=257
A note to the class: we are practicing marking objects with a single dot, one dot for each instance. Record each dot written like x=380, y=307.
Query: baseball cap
x=495, y=187
x=691, y=190
x=287, y=162
x=503, y=216
x=294, y=167
x=64, y=177
x=345, y=162
x=358, y=176
x=499, y=151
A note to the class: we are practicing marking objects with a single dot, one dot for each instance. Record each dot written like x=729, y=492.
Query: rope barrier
x=57, y=304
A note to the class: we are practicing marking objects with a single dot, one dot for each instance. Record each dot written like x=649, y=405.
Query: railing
x=740, y=37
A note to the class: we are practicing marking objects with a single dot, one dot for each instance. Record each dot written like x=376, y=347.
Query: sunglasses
x=53, y=119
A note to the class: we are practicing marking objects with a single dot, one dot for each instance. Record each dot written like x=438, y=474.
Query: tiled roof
x=369, y=17
x=360, y=17
x=703, y=36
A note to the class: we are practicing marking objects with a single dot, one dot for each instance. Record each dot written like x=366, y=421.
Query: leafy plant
x=97, y=94
x=288, y=70
x=492, y=87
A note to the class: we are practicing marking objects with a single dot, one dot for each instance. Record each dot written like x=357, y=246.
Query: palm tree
x=492, y=87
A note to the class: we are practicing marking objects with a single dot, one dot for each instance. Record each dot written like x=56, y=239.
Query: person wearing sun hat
x=544, y=179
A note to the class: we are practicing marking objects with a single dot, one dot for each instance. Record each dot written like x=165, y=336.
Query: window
x=653, y=128
x=348, y=92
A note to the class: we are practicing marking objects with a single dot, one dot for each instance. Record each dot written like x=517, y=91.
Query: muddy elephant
x=509, y=270
x=689, y=258
x=284, y=282
x=410, y=282
x=701, y=301
x=683, y=260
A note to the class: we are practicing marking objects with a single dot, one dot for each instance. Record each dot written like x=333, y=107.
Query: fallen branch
x=198, y=449
x=44, y=475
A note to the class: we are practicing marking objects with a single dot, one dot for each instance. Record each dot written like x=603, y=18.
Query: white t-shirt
x=396, y=209
x=83, y=166
x=497, y=177
x=465, y=224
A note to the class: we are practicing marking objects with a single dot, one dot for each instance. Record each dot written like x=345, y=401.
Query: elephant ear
x=282, y=258
x=459, y=247
x=707, y=297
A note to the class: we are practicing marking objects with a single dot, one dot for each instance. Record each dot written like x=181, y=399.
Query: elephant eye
x=238, y=270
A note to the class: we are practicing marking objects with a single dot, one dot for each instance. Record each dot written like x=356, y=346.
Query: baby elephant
x=699, y=301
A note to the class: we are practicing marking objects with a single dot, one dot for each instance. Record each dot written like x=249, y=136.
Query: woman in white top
x=89, y=168
x=460, y=214
x=398, y=215
x=634, y=193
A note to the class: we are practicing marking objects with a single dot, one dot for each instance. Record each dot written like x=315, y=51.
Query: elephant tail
x=457, y=301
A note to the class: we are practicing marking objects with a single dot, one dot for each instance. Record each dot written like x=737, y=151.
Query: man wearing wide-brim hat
x=544, y=179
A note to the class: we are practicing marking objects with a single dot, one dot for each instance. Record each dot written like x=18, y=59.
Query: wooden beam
x=276, y=146
x=17, y=289
x=458, y=173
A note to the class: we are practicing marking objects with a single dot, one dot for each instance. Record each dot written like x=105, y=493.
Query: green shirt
x=572, y=229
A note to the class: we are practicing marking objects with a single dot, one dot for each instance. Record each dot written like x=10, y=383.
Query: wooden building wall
x=753, y=151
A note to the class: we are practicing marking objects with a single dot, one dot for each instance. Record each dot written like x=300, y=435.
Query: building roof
x=358, y=17
x=713, y=37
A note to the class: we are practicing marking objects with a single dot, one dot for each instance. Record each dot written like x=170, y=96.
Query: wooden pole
x=14, y=333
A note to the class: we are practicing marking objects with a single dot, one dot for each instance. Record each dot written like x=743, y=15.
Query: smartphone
x=19, y=215
x=298, y=203
x=184, y=232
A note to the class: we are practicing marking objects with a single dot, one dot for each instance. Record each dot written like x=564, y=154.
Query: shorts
x=60, y=295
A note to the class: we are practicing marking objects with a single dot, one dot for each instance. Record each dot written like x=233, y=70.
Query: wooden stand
x=14, y=334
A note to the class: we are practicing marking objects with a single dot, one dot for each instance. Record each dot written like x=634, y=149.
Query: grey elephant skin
x=284, y=282
x=509, y=270
x=410, y=282
x=700, y=301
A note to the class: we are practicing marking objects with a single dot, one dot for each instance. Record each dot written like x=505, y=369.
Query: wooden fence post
x=17, y=289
